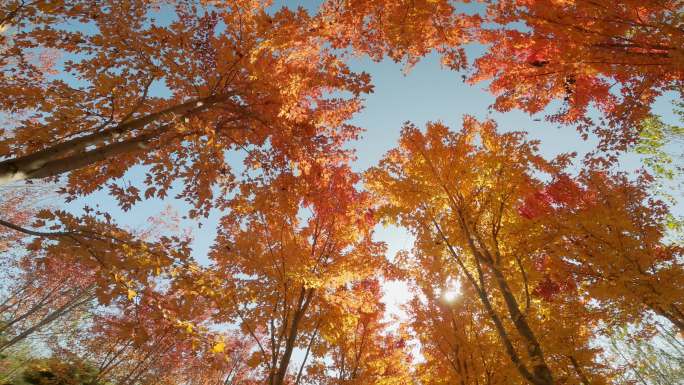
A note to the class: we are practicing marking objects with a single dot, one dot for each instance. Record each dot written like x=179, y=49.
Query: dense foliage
x=568, y=270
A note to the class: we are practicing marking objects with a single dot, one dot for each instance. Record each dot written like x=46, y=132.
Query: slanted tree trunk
x=95, y=147
x=540, y=373
x=83, y=298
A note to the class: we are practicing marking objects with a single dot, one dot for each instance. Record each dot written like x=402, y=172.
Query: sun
x=452, y=290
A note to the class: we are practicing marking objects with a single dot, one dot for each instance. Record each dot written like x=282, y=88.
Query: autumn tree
x=445, y=317
x=144, y=330
x=399, y=29
x=109, y=268
x=358, y=346
x=586, y=55
x=295, y=238
x=656, y=360
x=155, y=340
x=616, y=57
x=606, y=233
x=464, y=194
x=233, y=77
x=41, y=296
x=181, y=92
x=33, y=294
x=659, y=145
x=171, y=85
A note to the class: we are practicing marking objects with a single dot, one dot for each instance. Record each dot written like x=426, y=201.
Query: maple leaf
x=219, y=347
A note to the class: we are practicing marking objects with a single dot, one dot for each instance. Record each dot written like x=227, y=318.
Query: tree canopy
x=525, y=268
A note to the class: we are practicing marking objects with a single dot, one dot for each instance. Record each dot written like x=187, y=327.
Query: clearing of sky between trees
x=182, y=203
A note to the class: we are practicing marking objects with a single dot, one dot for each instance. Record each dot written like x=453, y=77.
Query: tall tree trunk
x=541, y=374
x=304, y=300
x=534, y=351
x=489, y=308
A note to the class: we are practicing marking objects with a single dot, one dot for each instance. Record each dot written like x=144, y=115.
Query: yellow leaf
x=218, y=348
x=131, y=294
